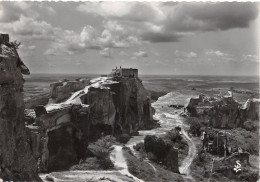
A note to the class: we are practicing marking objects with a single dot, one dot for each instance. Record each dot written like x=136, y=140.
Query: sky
x=158, y=38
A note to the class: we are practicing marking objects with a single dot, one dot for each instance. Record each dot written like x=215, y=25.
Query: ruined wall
x=16, y=160
x=124, y=72
x=63, y=90
x=129, y=72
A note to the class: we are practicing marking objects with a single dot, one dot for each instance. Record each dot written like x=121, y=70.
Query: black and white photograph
x=129, y=91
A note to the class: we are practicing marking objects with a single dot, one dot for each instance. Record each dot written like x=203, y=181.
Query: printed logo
x=237, y=167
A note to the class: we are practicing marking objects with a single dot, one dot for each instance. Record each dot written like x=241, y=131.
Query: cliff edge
x=16, y=160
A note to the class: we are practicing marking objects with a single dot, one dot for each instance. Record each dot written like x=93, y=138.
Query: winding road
x=168, y=119
x=185, y=166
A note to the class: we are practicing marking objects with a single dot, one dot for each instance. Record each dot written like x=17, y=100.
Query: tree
x=194, y=125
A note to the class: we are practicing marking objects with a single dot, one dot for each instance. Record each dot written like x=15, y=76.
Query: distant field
x=159, y=85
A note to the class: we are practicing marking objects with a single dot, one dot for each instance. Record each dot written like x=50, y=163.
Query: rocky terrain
x=83, y=111
x=16, y=160
x=223, y=112
x=231, y=137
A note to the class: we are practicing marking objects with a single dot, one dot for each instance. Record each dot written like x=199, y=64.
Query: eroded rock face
x=16, y=160
x=165, y=148
x=132, y=103
x=124, y=104
x=223, y=112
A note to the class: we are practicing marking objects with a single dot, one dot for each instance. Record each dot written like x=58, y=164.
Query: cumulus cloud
x=26, y=26
x=131, y=11
x=11, y=11
x=111, y=36
x=20, y=20
x=167, y=22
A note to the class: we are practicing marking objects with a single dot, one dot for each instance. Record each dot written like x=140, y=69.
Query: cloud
x=168, y=22
x=106, y=53
x=139, y=54
x=155, y=37
x=26, y=50
x=130, y=11
x=182, y=54
x=215, y=53
x=250, y=59
x=11, y=11
x=29, y=27
x=211, y=16
x=111, y=36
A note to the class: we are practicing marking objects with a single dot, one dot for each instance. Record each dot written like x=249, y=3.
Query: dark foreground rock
x=165, y=149
x=16, y=159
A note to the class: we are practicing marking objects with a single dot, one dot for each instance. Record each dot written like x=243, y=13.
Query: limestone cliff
x=124, y=104
x=223, y=112
x=110, y=105
x=16, y=160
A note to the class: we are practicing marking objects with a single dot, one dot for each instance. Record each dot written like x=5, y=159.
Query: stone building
x=124, y=72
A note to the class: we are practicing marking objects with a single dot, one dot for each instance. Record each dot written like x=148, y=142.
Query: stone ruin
x=63, y=89
x=124, y=72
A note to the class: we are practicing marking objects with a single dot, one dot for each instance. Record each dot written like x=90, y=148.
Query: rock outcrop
x=107, y=106
x=165, y=149
x=223, y=112
x=16, y=160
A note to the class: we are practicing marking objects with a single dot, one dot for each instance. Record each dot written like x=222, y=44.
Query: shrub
x=124, y=138
x=92, y=163
x=173, y=135
x=250, y=125
x=102, y=147
x=194, y=125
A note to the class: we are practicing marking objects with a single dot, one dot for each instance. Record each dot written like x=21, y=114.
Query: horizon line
x=235, y=75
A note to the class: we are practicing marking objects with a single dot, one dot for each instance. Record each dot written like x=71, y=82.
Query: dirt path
x=185, y=166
